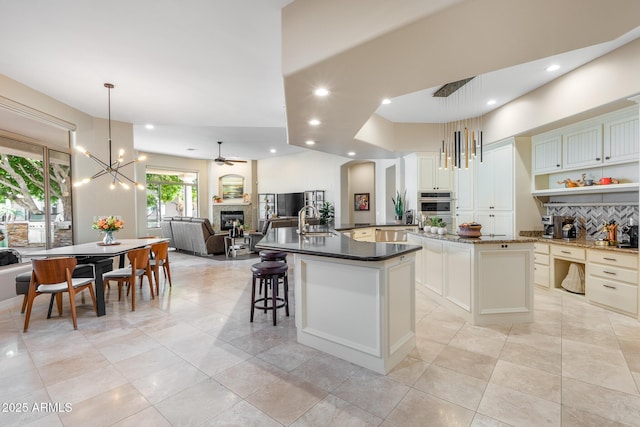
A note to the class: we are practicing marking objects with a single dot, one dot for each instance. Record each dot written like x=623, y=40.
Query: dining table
x=98, y=250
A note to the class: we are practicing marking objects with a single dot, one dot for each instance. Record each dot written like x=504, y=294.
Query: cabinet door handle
x=610, y=259
x=566, y=252
x=598, y=158
x=609, y=286
x=558, y=166
x=609, y=272
x=607, y=158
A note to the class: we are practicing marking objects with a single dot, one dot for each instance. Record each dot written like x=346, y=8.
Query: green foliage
x=326, y=213
x=168, y=192
x=399, y=202
x=437, y=222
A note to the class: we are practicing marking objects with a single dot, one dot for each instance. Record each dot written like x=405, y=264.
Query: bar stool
x=273, y=256
x=270, y=272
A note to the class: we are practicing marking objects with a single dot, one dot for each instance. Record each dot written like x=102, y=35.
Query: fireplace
x=227, y=218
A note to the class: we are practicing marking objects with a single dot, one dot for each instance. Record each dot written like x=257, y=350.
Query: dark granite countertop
x=345, y=227
x=335, y=246
x=474, y=240
x=581, y=242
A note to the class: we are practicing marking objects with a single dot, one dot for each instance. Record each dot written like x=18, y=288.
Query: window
x=35, y=196
x=170, y=193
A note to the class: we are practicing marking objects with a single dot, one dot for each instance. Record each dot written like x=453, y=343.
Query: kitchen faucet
x=302, y=218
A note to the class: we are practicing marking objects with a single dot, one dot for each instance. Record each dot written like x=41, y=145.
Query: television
x=288, y=204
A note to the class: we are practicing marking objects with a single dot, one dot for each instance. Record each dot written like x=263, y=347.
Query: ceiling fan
x=222, y=161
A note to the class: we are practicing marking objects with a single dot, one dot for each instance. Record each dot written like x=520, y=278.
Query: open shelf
x=594, y=189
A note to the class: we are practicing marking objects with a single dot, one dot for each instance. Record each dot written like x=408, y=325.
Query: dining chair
x=160, y=258
x=139, y=267
x=53, y=276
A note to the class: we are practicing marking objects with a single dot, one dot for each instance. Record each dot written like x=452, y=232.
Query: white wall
x=310, y=170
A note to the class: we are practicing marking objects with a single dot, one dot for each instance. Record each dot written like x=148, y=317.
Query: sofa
x=195, y=235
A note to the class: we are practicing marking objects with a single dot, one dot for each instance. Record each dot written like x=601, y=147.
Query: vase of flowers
x=108, y=225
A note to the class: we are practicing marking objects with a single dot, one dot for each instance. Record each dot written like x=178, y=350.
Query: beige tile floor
x=191, y=358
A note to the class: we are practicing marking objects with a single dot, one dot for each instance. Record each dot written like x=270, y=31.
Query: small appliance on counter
x=568, y=227
x=628, y=235
x=547, y=225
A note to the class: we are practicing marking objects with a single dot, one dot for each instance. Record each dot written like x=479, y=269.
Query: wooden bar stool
x=270, y=272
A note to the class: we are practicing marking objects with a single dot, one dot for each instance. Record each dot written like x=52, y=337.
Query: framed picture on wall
x=361, y=201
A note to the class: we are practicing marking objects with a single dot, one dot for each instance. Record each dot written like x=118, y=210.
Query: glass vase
x=109, y=238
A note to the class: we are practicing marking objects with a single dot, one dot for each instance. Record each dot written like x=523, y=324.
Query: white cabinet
x=434, y=265
x=547, y=154
x=582, y=147
x=612, y=280
x=458, y=266
x=430, y=175
x=363, y=234
x=541, y=264
x=494, y=179
x=464, y=187
x=621, y=138
x=495, y=222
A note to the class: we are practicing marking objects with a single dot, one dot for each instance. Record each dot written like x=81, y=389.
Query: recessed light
x=553, y=67
x=149, y=126
x=351, y=153
x=321, y=92
x=273, y=150
x=491, y=102
x=386, y=101
x=314, y=122
x=309, y=142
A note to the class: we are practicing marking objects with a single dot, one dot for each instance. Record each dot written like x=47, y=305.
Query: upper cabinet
x=547, y=154
x=430, y=175
x=582, y=148
x=621, y=138
x=600, y=147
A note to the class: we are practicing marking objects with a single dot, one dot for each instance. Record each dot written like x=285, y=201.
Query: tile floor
x=191, y=358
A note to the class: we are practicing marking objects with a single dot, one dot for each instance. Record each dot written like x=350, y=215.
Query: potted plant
x=326, y=213
x=398, y=205
x=442, y=227
x=435, y=224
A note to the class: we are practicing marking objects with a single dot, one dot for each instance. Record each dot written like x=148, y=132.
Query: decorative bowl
x=469, y=230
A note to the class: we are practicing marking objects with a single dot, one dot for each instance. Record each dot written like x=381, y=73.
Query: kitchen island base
x=359, y=311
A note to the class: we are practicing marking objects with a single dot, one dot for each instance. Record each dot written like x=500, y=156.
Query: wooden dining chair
x=53, y=276
x=160, y=259
x=139, y=267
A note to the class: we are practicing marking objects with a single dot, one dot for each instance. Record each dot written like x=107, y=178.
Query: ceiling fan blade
x=236, y=161
x=228, y=163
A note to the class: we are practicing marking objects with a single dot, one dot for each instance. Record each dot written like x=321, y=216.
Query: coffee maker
x=568, y=227
x=547, y=225
x=628, y=237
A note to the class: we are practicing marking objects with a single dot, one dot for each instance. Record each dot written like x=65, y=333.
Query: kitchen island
x=354, y=300
x=484, y=280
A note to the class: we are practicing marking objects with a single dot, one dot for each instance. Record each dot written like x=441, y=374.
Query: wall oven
x=436, y=203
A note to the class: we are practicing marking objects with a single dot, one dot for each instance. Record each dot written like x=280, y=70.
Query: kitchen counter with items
x=485, y=280
x=607, y=276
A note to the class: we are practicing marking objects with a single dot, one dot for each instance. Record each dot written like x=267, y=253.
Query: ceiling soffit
x=436, y=49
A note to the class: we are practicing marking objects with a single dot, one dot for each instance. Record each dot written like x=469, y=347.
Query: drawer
x=613, y=258
x=541, y=248
x=540, y=259
x=541, y=275
x=612, y=294
x=568, y=252
x=609, y=272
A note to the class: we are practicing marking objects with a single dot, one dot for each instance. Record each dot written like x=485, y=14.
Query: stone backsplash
x=590, y=219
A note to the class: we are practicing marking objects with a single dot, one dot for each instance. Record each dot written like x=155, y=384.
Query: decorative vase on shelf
x=398, y=219
x=109, y=238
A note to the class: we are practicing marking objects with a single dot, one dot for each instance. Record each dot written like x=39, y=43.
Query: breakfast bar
x=354, y=300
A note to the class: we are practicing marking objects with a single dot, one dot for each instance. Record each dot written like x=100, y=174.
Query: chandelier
x=112, y=168
x=461, y=139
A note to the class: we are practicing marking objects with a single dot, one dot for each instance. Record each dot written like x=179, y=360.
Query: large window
x=35, y=196
x=170, y=193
